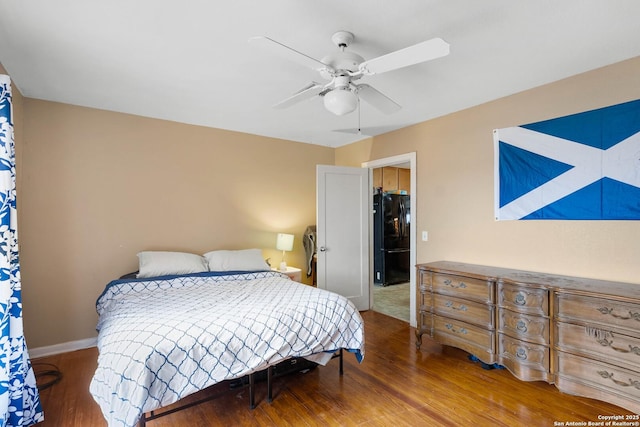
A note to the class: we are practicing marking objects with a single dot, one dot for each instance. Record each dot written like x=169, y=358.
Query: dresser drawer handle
x=632, y=349
x=450, y=327
x=449, y=282
x=609, y=376
x=632, y=315
x=605, y=339
x=462, y=307
x=521, y=326
x=521, y=354
x=520, y=299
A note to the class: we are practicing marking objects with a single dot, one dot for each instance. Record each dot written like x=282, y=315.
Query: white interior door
x=342, y=227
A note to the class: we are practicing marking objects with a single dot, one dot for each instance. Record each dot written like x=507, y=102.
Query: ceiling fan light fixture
x=341, y=101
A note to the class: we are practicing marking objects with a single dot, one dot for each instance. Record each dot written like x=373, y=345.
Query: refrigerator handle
x=402, y=219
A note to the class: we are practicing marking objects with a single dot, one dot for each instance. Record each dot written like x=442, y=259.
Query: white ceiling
x=191, y=61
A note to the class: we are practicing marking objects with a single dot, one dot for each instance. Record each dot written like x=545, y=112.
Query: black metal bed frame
x=152, y=415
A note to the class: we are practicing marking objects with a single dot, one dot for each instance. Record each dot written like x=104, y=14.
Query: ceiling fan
x=343, y=68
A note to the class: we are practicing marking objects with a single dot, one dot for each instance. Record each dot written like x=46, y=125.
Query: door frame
x=395, y=161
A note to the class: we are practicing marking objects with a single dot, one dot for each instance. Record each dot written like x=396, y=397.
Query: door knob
x=322, y=249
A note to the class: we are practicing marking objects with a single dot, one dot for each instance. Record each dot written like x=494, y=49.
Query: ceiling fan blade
x=421, y=52
x=288, y=53
x=377, y=99
x=307, y=92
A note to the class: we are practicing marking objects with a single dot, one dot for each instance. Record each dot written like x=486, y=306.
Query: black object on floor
x=485, y=365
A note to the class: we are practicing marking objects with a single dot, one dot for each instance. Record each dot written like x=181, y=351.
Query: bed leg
x=269, y=384
x=252, y=396
x=143, y=421
x=341, y=366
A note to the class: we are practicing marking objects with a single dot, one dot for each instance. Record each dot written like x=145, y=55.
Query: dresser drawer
x=602, y=344
x=534, y=329
x=463, y=287
x=465, y=310
x=523, y=299
x=585, y=377
x=473, y=339
x=527, y=361
x=600, y=311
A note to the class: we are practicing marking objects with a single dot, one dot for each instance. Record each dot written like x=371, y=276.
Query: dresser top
x=559, y=283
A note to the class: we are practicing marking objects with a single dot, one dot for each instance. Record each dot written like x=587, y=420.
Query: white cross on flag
x=583, y=167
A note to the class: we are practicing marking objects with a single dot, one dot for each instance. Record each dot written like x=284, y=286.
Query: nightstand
x=294, y=273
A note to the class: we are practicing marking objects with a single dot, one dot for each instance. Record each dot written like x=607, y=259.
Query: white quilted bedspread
x=161, y=340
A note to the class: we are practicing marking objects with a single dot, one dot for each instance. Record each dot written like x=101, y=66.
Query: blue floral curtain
x=19, y=398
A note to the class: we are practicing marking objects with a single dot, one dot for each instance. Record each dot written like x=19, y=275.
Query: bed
x=164, y=337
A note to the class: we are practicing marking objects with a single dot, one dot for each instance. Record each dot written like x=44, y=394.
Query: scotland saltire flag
x=583, y=167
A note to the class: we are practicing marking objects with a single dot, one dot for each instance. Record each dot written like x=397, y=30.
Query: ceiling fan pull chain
x=359, y=128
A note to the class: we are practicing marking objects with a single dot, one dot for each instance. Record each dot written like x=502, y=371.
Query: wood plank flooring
x=396, y=385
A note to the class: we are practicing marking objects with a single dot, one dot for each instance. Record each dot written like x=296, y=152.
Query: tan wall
x=98, y=187
x=455, y=184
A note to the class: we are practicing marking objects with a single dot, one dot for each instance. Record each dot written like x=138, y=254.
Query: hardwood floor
x=395, y=385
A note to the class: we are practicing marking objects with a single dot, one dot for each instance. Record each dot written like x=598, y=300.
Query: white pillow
x=240, y=260
x=159, y=263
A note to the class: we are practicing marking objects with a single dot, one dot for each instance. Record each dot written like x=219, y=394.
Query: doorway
x=396, y=296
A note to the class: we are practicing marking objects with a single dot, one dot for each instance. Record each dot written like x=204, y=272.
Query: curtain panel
x=19, y=398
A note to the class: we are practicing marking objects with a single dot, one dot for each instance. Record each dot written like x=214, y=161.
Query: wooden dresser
x=583, y=335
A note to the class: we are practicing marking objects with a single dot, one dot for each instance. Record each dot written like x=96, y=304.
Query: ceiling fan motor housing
x=341, y=61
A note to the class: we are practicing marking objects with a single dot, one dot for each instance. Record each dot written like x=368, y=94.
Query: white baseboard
x=65, y=347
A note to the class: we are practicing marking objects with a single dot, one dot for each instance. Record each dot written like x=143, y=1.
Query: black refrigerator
x=391, y=226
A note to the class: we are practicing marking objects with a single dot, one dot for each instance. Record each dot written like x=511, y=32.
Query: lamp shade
x=284, y=242
x=341, y=101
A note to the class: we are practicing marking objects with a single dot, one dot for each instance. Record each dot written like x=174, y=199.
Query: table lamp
x=284, y=243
